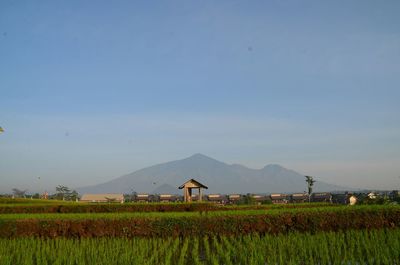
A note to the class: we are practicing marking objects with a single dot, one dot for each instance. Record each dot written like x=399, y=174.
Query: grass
x=348, y=247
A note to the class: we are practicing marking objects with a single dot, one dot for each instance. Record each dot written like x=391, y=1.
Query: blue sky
x=91, y=90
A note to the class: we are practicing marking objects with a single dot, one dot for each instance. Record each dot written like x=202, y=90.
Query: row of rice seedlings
x=169, y=256
x=350, y=247
x=88, y=251
x=196, y=253
x=128, y=215
x=183, y=252
x=207, y=251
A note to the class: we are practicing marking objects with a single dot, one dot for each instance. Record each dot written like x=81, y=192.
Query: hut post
x=200, y=195
x=188, y=194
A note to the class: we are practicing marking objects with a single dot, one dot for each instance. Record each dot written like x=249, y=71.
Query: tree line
x=62, y=193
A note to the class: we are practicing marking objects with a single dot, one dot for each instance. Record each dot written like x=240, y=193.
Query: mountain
x=166, y=189
x=218, y=176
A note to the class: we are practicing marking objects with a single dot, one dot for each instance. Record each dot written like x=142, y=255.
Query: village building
x=352, y=200
x=344, y=198
x=259, y=199
x=321, y=197
x=341, y=198
x=107, y=197
x=278, y=198
x=188, y=187
x=142, y=198
x=167, y=198
x=234, y=198
x=217, y=198
x=299, y=197
x=195, y=198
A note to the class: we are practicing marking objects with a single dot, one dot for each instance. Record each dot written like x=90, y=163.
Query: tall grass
x=349, y=247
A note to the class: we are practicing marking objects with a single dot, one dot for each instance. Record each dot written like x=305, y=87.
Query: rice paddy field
x=199, y=234
x=347, y=247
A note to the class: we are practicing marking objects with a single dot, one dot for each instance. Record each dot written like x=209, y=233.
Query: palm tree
x=310, y=182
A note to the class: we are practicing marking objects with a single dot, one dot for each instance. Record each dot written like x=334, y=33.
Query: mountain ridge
x=220, y=177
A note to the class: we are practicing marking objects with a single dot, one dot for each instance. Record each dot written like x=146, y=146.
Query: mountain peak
x=199, y=156
x=273, y=166
x=200, y=159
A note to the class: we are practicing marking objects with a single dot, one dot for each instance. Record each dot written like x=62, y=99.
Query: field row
x=196, y=210
x=350, y=247
x=73, y=207
x=197, y=224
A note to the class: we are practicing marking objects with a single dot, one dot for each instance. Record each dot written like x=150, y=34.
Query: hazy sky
x=91, y=90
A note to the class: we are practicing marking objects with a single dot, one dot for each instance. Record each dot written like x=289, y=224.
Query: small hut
x=188, y=186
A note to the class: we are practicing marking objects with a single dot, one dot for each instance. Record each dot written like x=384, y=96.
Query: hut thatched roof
x=193, y=183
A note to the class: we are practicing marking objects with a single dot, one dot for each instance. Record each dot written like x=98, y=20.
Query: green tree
x=310, y=183
x=62, y=192
x=73, y=196
x=19, y=193
x=248, y=199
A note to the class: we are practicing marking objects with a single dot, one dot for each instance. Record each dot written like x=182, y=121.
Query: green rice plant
x=356, y=247
x=169, y=257
x=207, y=251
x=195, y=253
x=217, y=252
x=183, y=252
